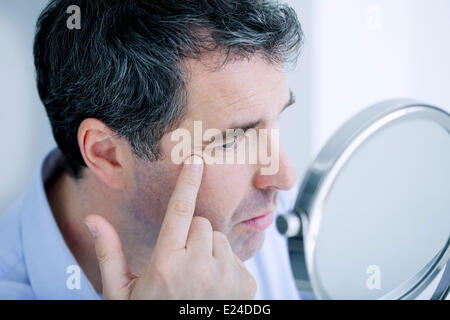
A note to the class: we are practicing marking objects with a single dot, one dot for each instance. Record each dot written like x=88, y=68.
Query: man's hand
x=189, y=261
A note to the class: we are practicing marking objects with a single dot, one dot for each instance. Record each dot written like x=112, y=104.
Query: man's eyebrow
x=254, y=124
x=290, y=102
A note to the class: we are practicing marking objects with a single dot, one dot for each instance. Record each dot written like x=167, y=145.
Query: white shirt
x=35, y=262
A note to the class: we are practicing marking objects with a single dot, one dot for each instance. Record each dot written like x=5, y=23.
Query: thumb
x=116, y=276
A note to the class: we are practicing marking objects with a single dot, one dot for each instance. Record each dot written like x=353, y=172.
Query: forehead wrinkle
x=243, y=99
x=251, y=104
x=224, y=99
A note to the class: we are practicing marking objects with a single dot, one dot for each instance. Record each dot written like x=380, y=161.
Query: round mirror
x=372, y=217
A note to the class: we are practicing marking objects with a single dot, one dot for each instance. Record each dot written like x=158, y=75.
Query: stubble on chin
x=246, y=247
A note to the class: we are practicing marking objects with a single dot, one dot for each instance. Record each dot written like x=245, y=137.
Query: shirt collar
x=49, y=262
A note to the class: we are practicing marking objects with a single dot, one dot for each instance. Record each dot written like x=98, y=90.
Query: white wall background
x=25, y=134
x=356, y=53
x=362, y=51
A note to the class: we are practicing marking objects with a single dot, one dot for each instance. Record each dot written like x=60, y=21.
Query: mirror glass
x=387, y=214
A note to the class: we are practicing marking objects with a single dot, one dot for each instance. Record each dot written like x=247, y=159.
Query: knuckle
x=220, y=237
x=220, y=240
x=190, y=183
x=183, y=207
x=102, y=257
x=202, y=222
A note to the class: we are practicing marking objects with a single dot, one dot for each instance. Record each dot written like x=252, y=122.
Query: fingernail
x=92, y=228
x=194, y=162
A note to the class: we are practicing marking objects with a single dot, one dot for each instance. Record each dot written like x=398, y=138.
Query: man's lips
x=261, y=222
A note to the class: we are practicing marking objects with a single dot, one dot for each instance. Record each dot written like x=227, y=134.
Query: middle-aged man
x=111, y=213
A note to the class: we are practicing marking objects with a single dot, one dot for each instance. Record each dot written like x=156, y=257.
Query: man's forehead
x=240, y=87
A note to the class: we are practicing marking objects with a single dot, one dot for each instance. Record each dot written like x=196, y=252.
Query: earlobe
x=101, y=151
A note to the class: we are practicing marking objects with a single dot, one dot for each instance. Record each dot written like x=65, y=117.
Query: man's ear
x=108, y=156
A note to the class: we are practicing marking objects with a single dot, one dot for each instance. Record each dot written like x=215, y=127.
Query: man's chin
x=249, y=247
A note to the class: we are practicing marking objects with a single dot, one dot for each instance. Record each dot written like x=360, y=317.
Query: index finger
x=177, y=221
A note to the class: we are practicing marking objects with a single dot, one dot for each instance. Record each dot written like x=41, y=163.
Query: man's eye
x=230, y=145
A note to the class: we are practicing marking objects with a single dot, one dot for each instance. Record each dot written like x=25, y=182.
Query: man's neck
x=72, y=200
x=68, y=204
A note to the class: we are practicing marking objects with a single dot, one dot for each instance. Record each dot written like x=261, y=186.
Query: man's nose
x=282, y=179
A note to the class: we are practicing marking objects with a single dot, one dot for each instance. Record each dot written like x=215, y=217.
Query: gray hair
x=124, y=66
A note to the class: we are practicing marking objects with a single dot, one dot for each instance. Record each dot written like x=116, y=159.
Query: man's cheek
x=216, y=208
x=221, y=192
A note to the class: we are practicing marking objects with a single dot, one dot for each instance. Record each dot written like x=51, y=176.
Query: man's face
x=241, y=93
